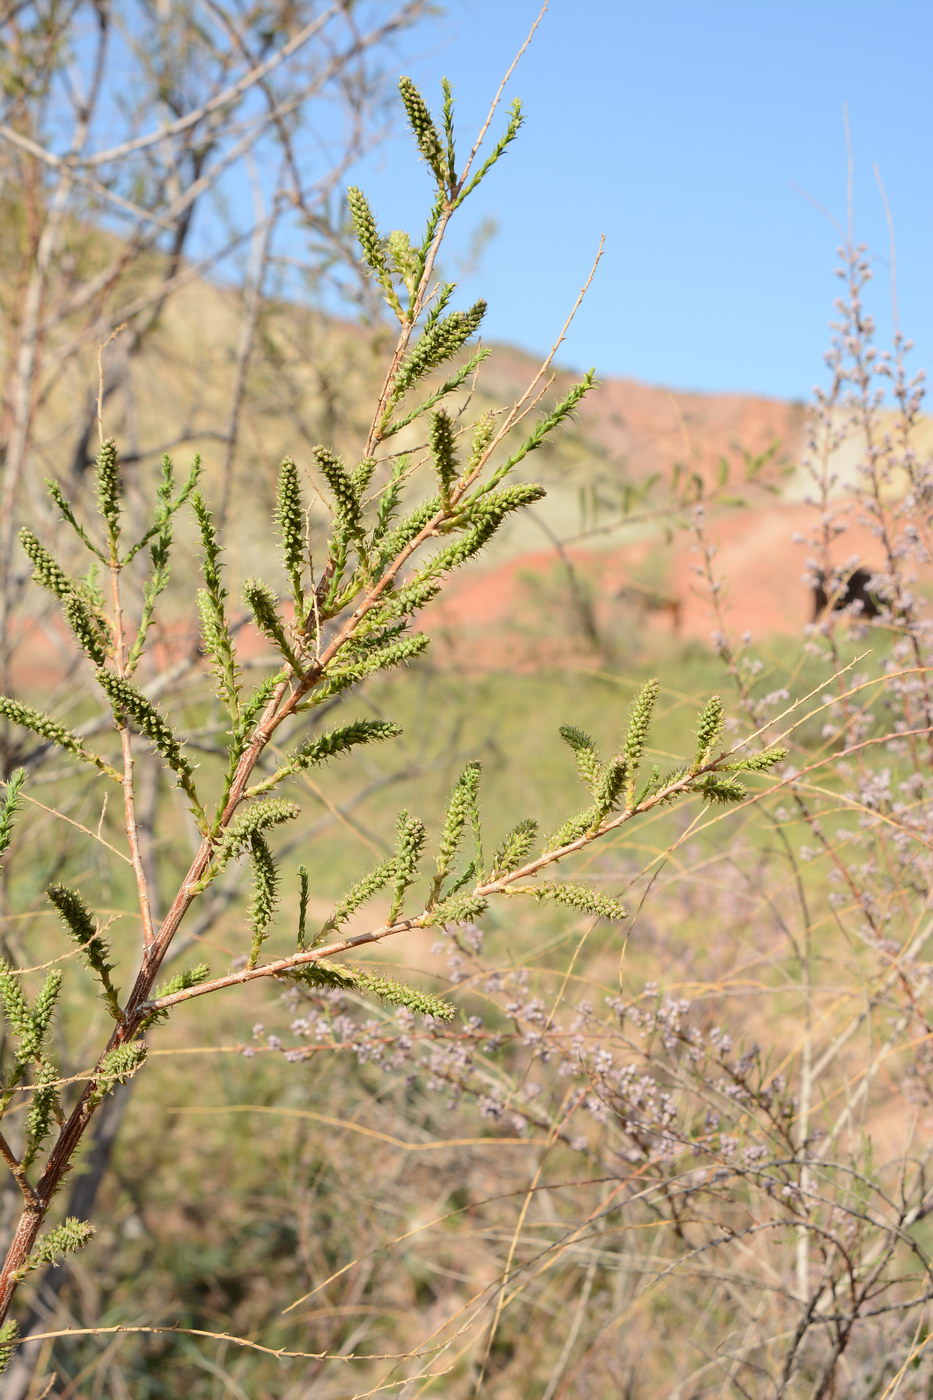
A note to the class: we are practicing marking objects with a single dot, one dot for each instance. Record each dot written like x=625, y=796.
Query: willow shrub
x=352, y=582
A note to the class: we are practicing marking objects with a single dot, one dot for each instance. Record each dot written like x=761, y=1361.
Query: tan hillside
x=313, y=379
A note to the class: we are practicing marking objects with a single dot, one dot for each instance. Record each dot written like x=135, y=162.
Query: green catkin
x=579, y=897
x=262, y=602
x=573, y=828
x=367, y=235
x=441, y=439
x=326, y=746
x=456, y=909
x=410, y=599
x=346, y=497
x=17, y=1013
x=584, y=751
x=487, y=522
x=483, y=434
x=404, y=259
x=304, y=885
x=76, y=916
x=400, y=994
x=492, y=507
x=436, y=345
x=118, y=1067
x=461, y=810
x=216, y=640
x=362, y=475
x=610, y=785
x=324, y=974
x=718, y=787
x=80, y=925
x=254, y=821
x=130, y=702
x=65, y=1239
x=9, y=806
x=44, y=568
x=88, y=629
x=264, y=895
x=43, y=1111
x=46, y=1002
x=425, y=132
x=48, y=728
x=639, y=726
x=290, y=518
x=759, y=762
x=410, y=840
x=190, y=977
x=108, y=490
x=212, y=610
x=515, y=849
x=709, y=730
x=380, y=660
x=395, y=993
x=9, y=1332
x=408, y=529
x=338, y=741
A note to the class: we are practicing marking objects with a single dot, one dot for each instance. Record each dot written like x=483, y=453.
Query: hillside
x=603, y=557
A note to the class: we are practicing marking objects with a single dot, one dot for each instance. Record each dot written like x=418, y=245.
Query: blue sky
x=707, y=143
